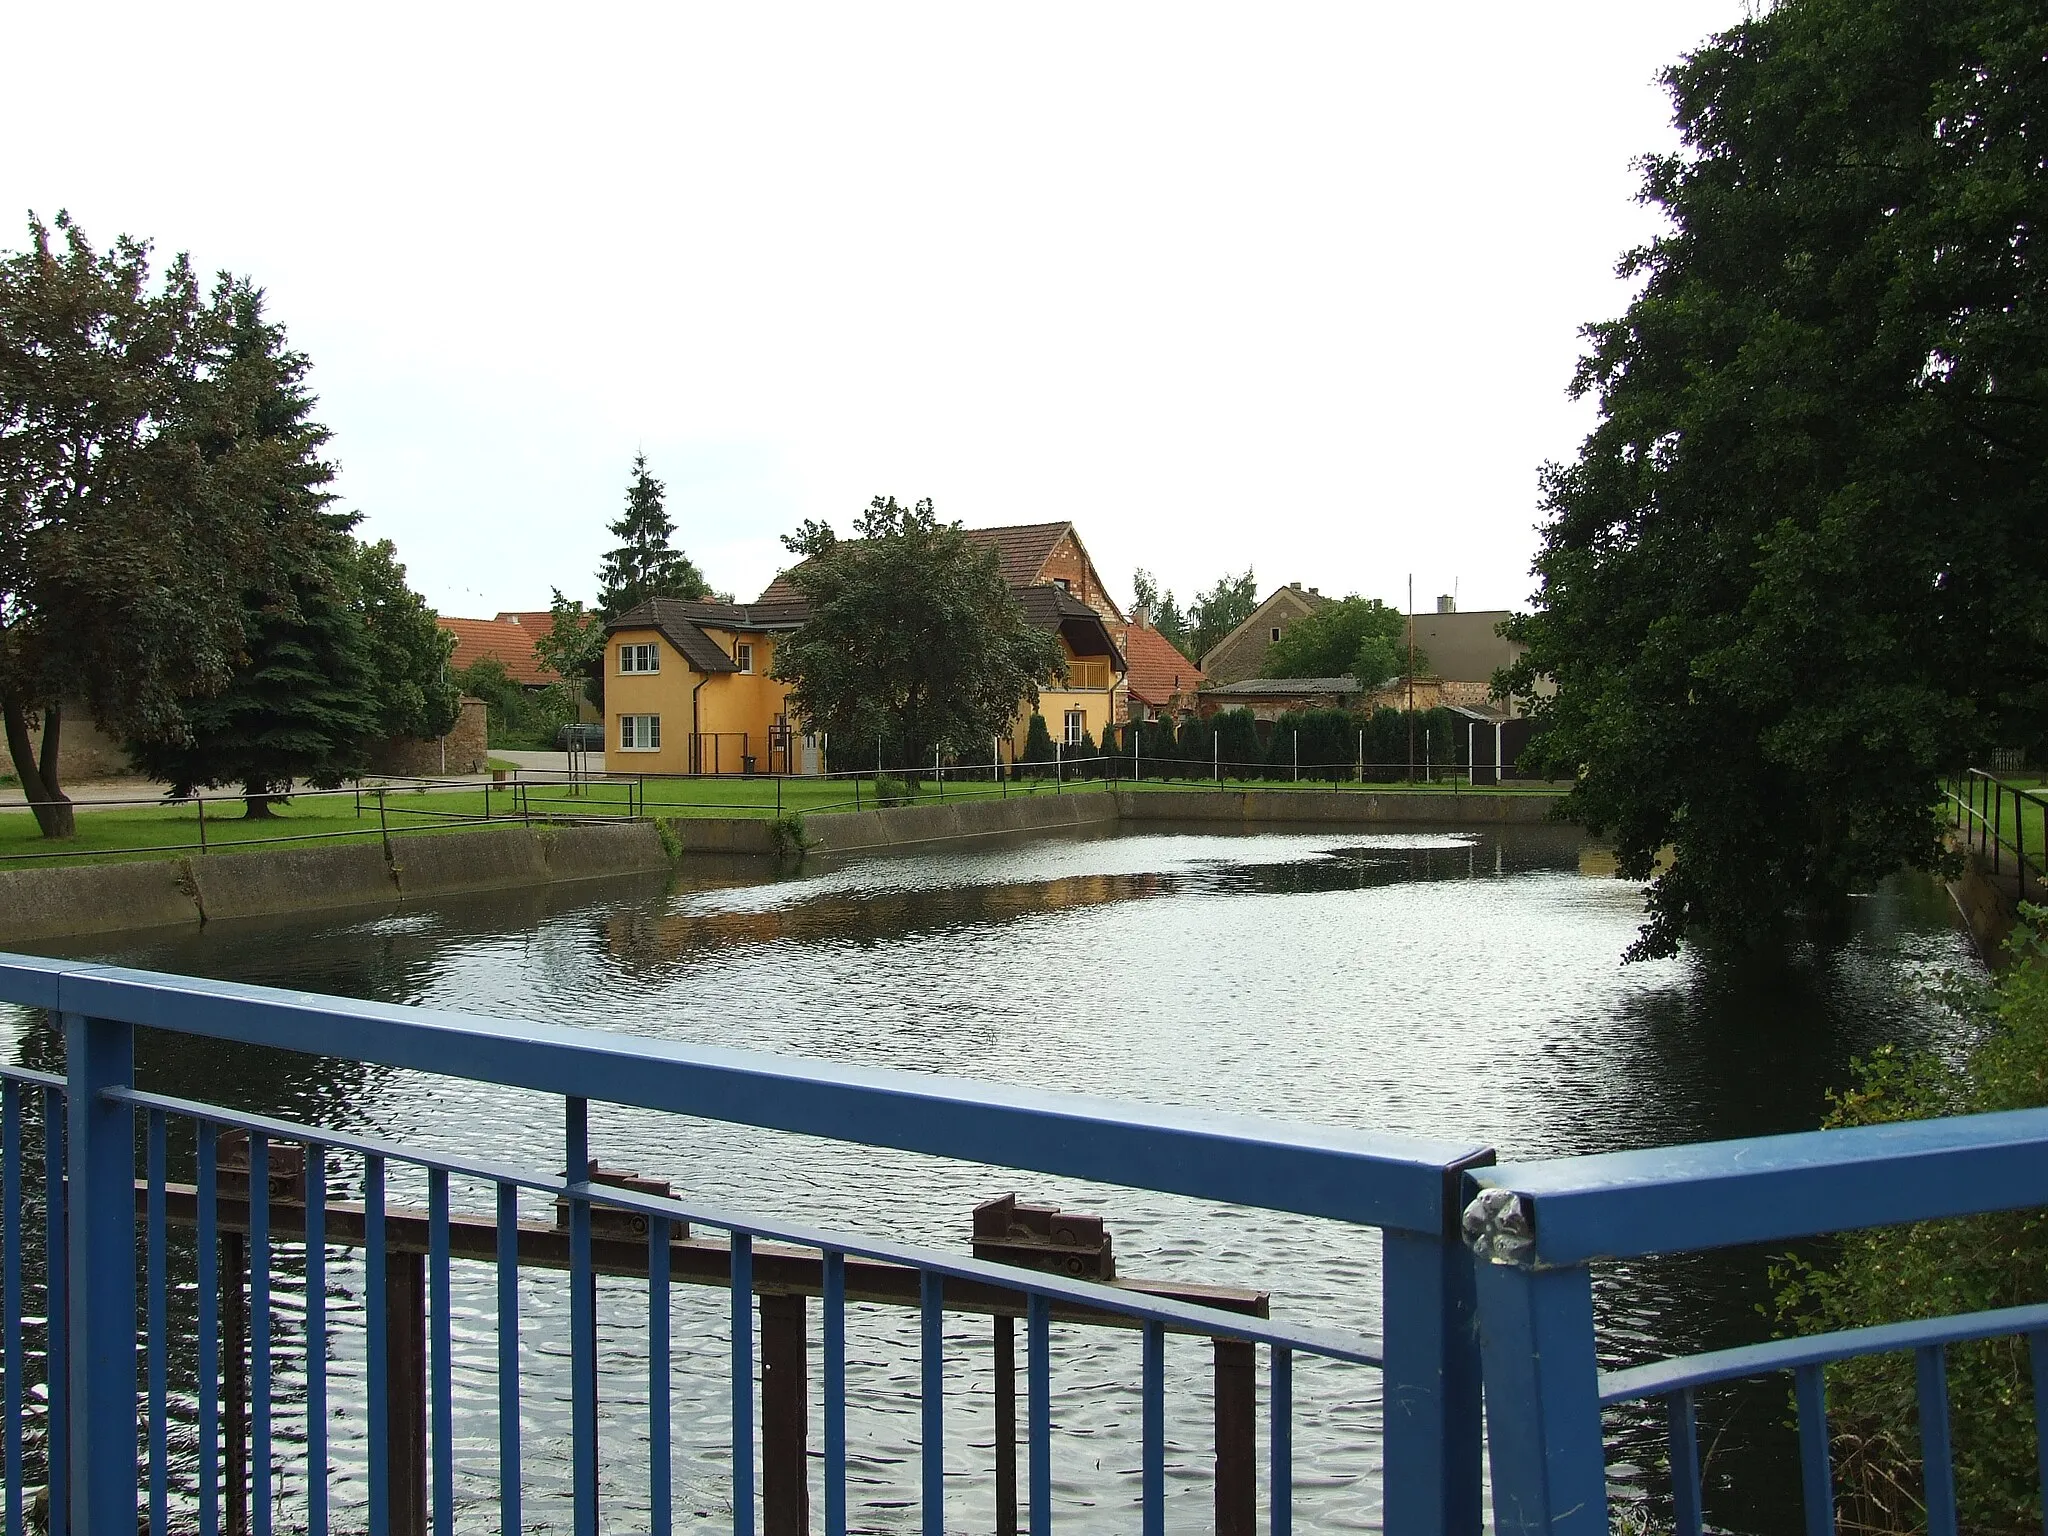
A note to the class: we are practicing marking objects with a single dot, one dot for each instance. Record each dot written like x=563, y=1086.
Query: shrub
x=1237, y=740
x=1935, y=1268
x=1037, y=758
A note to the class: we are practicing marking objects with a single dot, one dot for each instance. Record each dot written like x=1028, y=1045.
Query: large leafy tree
x=1799, y=570
x=130, y=525
x=1361, y=637
x=913, y=642
x=645, y=563
x=1215, y=613
x=573, y=645
x=337, y=651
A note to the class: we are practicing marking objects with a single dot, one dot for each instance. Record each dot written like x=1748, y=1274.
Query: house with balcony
x=687, y=685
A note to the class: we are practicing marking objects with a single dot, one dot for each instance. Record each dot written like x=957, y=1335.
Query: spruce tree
x=644, y=564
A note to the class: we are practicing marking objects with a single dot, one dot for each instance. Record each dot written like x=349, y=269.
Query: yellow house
x=687, y=689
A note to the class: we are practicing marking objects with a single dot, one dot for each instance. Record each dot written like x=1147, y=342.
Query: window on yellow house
x=640, y=733
x=1077, y=726
x=744, y=655
x=640, y=658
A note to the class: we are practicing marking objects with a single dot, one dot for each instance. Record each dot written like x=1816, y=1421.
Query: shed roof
x=1021, y=550
x=1156, y=670
x=1286, y=686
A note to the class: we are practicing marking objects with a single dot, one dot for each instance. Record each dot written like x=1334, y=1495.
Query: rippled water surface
x=1456, y=985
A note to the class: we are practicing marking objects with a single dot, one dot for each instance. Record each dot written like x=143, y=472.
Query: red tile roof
x=526, y=618
x=509, y=644
x=1157, y=671
x=1022, y=548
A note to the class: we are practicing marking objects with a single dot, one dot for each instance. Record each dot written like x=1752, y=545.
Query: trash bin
x=747, y=766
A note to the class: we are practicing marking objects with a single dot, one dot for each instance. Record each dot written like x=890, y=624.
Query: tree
x=1237, y=743
x=1216, y=612
x=573, y=646
x=1161, y=611
x=134, y=500
x=645, y=564
x=913, y=640
x=414, y=694
x=1358, y=637
x=1799, y=570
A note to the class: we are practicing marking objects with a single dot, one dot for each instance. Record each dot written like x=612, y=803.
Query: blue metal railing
x=1539, y=1229
x=104, y=1443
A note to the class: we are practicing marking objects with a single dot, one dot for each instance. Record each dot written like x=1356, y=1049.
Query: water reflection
x=1457, y=985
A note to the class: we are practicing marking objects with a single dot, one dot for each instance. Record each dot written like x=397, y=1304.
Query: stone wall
x=84, y=751
x=465, y=749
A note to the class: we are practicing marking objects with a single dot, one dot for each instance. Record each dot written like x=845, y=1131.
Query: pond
x=1453, y=984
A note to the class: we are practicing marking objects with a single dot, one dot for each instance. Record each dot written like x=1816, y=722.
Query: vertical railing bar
x=1282, y=1480
x=259, y=1327
x=932, y=1352
x=376, y=1343
x=1685, y=1463
x=1816, y=1473
x=659, y=1449
x=208, y=1238
x=158, y=1326
x=2037, y=1357
x=440, y=1344
x=316, y=1340
x=834, y=1307
x=1038, y=1389
x=582, y=1322
x=1937, y=1464
x=508, y=1357
x=1153, y=1458
x=742, y=1384
x=56, y=1281
x=10, y=1295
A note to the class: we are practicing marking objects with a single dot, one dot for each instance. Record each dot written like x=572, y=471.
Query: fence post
x=383, y=825
x=785, y=1428
x=1237, y=1442
x=1430, y=1385
x=1057, y=773
x=100, y=1284
x=1997, y=824
x=200, y=801
x=1542, y=1399
x=1297, y=757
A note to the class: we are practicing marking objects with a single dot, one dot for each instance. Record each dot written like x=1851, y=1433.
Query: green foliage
x=1195, y=745
x=1797, y=573
x=1357, y=637
x=1083, y=755
x=913, y=638
x=1159, y=748
x=1037, y=742
x=1237, y=736
x=573, y=646
x=517, y=716
x=413, y=694
x=1216, y=612
x=1161, y=611
x=1326, y=741
x=1939, y=1268
x=151, y=443
x=1386, y=743
x=790, y=840
x=671, y=839
x=645, y=564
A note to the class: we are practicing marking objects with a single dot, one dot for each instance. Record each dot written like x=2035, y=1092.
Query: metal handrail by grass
x=1977, y=809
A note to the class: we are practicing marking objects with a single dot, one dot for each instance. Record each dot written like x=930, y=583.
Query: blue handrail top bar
x=1665, y=1376
x=1621, y=1205
x=1312, y=1170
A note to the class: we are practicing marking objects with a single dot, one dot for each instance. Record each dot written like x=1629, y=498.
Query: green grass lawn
x=2024, y=821
x=130, y=832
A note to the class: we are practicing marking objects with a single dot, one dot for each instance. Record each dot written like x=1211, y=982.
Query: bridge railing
x=100, y=1129
x=1540, y=1229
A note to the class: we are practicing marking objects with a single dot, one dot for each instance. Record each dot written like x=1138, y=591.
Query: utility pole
x=1411, y=677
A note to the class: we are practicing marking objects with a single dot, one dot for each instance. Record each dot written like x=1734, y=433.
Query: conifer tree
x=645, y=564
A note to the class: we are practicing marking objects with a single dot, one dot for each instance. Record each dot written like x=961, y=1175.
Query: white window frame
x=743, y=654
x=633, y=652
x=639, y=733
x=1071, y=735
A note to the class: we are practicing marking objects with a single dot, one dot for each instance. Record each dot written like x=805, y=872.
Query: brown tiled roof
x=537, y=619
x=677, y=625
x=1156, y=669
x=1050, y=607
x=1022, y=550
x=508, y=644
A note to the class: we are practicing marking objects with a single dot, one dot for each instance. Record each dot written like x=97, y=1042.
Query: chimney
x=1445, y=603
x=1139, y=617
x=1295, y=584
x=1315, y=591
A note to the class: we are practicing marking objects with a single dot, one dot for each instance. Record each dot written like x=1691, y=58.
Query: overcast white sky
x=1293, y=287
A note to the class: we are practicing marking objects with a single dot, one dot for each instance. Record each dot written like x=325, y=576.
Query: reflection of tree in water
x=1748, y=1048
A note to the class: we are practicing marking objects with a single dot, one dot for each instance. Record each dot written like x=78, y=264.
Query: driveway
x=557, y=762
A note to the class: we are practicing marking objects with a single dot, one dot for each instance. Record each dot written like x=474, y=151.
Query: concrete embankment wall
x=1328, y=806
x=1988, y=903
x=907, y=826
x=106, y=898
